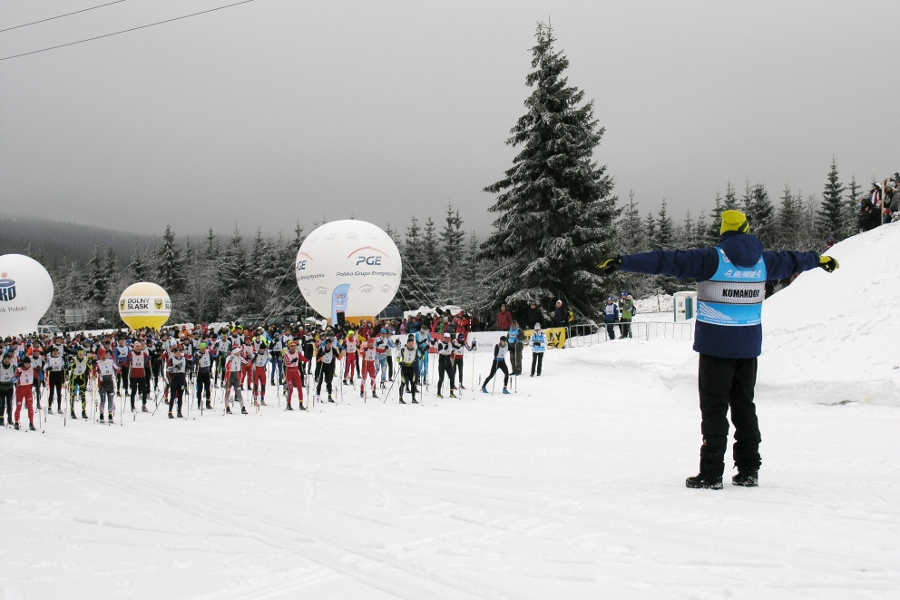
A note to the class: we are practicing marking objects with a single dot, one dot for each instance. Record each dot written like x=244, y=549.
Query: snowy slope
x=573, y=487
x=834, y=337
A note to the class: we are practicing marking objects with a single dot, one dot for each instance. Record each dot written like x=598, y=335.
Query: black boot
x=227, y=410
x=179, y=415
x=401, y=400
x=746, y=479
x=243, y=411
x=415, y=401
x=208, y=405
x=16, y=426
x=31, y=427
x=171, y=416
x=289, y=407
x=84, y=415
x=704, y=482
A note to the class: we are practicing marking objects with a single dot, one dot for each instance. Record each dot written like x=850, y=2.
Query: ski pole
x=388, y=394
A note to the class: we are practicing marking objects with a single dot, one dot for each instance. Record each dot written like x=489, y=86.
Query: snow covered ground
x=573, y=487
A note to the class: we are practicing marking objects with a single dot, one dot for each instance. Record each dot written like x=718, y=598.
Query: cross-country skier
x=728, y=335
x=204, y=360
x=120, y=355
x=459, y=348
x=351, y=345
x=222, y=347
x=500, y=351
x=384, y=345
x=327, y=359
x=293, y=376
x=445, y=364
x=407, y=359
x=105, y=370
x=37, y=363
x=7, y=388
x=260, y=360
x=55, y=367
x=538, y=345
x=369, y=362
x=79, y=372
x=177, y=370
x=138, y=364
x=277, y=349
x=233, y=367
x=24, y=382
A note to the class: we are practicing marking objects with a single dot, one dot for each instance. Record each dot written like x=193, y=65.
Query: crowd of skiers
x=149, y=369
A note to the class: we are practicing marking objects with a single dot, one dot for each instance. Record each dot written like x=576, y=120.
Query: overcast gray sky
x=279, y=109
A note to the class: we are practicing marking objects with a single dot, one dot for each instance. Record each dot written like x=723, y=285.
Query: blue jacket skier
x=731, y=281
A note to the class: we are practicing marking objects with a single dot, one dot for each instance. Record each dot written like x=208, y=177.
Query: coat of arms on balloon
x=349, y=267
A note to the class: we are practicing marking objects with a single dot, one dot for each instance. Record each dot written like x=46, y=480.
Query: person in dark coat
x=560, y=316
x=728, y=334
x=534, y=316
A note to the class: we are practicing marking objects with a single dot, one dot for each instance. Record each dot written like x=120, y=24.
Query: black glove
x=611, y=265
x=828, y=263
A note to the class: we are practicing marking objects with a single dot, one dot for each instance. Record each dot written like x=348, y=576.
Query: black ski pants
x=203, y=380
x=55, y=385
x=177, y=383
x=537, y=360
x=138, y=386
x=6, y=403
x=445, y=367
x=326, y=374
x=724, y=383
x=408, y=378
x=501, y=365
x=458, y=368
x=611, y=331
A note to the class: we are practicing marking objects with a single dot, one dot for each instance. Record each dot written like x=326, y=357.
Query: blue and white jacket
x=701, y=264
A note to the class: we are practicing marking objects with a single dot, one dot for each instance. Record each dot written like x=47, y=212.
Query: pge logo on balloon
x=7, y=289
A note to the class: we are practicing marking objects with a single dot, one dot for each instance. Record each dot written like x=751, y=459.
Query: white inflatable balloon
x=26, y=292
x=348, y=266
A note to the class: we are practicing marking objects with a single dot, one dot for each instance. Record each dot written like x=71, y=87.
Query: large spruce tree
x=555, y=206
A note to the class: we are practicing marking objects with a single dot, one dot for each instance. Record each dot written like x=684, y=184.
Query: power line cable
x=60, y=16
x=106, y=35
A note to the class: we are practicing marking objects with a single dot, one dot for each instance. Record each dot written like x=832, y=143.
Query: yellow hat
x=734, y=220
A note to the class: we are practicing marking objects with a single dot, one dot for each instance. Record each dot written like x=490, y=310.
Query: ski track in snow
x=572, y=487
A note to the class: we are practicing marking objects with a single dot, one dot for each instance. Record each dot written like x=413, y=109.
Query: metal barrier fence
x=594, y=333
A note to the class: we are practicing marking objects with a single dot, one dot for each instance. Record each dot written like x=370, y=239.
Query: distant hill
x=58, y=240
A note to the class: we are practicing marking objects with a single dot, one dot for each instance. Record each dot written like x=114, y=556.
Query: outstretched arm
x=699, y=264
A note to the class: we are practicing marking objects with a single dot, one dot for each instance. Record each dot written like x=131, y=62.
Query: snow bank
x=833, y=337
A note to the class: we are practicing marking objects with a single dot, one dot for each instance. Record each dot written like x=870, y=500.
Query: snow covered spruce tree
x=555, y=204
x=832, y=211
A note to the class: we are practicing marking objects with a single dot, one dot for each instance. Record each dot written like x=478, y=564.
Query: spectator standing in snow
x=728, y=335
x=611, y=317
x=515, y=337
x=538, y=345
x=626, y=314
x=560, y=315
